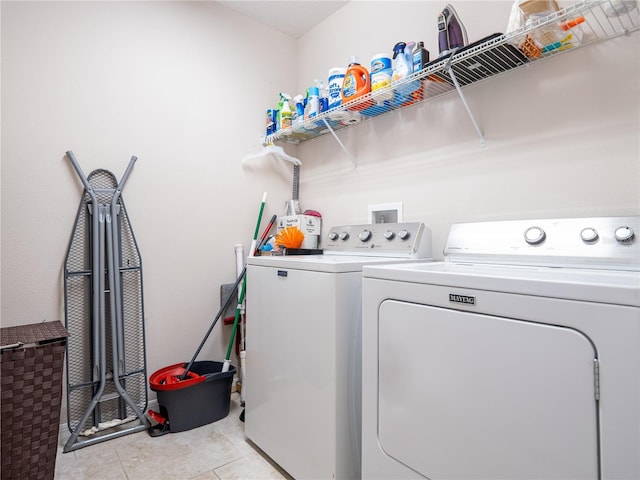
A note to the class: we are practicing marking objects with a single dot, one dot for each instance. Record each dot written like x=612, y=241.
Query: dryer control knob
x=389, y=235
x=623, y=234
x=344, y=235
x=589, y=235
x=365, y=235
x=534, y=235
x=403, y=234
x=333, y=236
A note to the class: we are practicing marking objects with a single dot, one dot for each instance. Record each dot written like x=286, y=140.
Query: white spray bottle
x=298, y=118
x=403, y=67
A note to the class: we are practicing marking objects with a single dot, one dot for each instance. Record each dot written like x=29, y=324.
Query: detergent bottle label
x=380, y=72
x=334, y=94
x=349, y=86
x=379, y=64
x=286, y=121
x=335, y=80
x=271, y=121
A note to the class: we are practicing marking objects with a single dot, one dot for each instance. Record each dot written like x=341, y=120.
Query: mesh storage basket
x=31, y=363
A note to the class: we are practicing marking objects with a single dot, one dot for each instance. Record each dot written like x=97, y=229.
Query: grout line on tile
x=268, y=459
x=126, y=474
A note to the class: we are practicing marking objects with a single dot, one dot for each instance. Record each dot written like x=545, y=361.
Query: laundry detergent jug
x=356, y=84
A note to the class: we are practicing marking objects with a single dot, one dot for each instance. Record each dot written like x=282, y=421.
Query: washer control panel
x=604, y=242
x=406, y=240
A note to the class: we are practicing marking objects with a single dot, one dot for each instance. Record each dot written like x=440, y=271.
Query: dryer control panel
x=594, y=242
x=403, y=240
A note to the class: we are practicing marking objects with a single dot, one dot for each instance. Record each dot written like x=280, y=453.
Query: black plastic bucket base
x=199, y=404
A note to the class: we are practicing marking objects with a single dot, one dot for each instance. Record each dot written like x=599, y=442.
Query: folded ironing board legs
x=106, y=359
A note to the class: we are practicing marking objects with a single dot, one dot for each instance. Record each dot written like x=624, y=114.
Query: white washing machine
x=518, y=357
x=303, y=347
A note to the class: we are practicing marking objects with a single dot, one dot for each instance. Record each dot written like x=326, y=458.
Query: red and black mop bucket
x=195, y=393
x=203, y=397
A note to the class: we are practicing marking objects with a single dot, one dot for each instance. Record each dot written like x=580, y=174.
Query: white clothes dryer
x=303, y=347
x=518, y=357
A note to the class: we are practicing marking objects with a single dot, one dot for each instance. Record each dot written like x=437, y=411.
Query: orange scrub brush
x=290, y=237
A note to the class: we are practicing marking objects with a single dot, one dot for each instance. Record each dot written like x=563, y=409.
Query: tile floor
x=218, y=451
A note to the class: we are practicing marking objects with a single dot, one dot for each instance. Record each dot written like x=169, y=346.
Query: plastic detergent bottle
x=335, y=79
x=356, y=84
x=277, y=115
x=272, y=114
x=299, y=117
x=313, y=103
x=381, y=73
x=323, y=100
x=420, y=57
x=403, y=67
x=285, y=111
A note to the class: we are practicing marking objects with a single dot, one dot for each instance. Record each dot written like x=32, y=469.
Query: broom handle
x=222, y=309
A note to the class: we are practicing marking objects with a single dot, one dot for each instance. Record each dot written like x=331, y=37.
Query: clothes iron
x=451, y=31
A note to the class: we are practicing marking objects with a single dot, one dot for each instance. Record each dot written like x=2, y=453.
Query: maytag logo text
x=462, y=299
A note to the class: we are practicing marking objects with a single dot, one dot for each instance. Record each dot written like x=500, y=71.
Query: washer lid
x=602, y=286
x=324, y=263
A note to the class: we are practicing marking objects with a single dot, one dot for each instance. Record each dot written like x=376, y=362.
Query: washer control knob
x=333, y=236
x=534, y=235
x=589, y=235
x=624, y=234
x=389, y=235
x=403, y=234
x=344, y=235
x=365, y=235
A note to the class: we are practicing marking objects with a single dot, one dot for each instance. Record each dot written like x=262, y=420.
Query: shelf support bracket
x=464, y=101
x=353, y=160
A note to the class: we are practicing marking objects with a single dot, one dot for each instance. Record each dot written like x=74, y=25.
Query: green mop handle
x=255, y=234
x=235, y=323
x=227, y=359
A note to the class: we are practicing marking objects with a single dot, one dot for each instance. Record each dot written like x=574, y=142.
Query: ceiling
x=295, y=18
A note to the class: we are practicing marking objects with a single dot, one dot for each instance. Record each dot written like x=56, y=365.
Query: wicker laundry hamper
x=31, y=364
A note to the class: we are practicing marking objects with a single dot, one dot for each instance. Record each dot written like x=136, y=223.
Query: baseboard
x=64, y=434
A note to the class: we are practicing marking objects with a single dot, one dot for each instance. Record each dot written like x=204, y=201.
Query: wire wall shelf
x=585, y=23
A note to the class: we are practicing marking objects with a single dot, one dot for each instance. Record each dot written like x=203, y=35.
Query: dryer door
x=465, y=395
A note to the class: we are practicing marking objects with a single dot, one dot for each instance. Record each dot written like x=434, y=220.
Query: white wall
x=179, y=84
x=183, y=85
x=562, y=135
